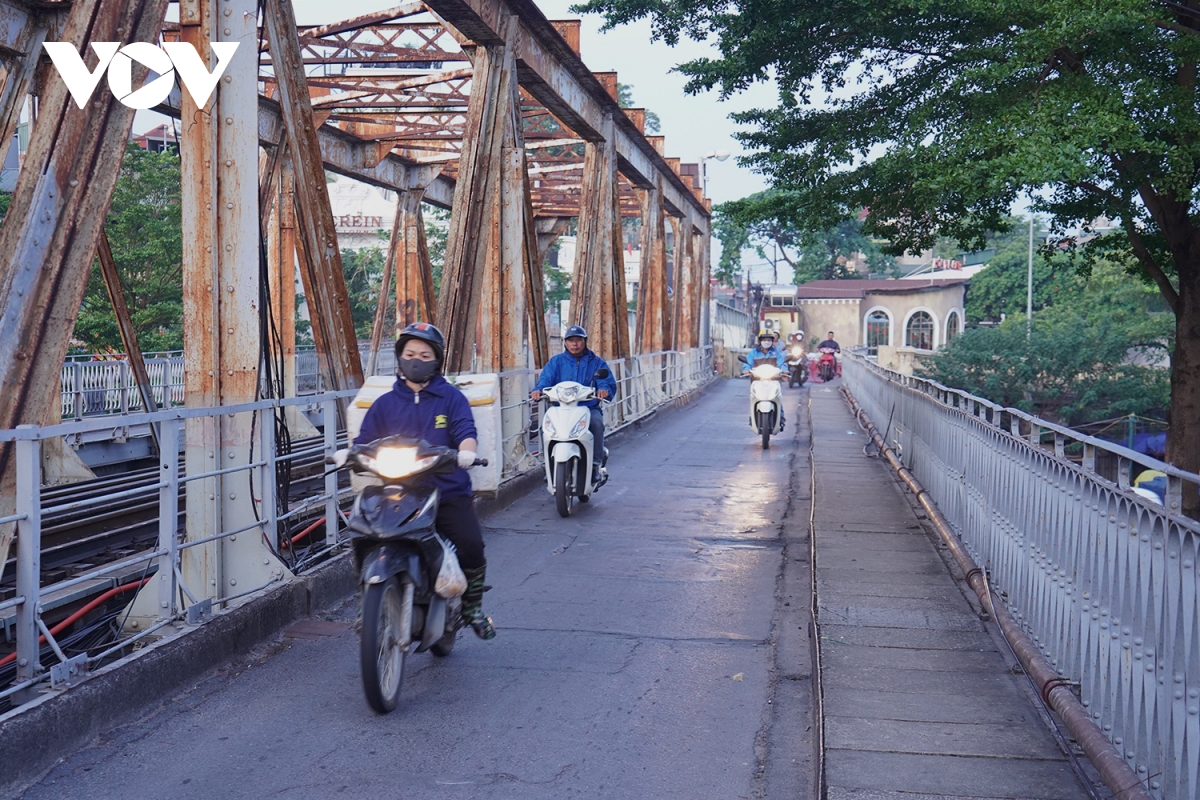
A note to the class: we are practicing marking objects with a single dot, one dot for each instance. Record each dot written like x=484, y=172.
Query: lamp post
x=719, y=155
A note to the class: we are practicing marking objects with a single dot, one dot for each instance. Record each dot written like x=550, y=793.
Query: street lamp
x=719, y=155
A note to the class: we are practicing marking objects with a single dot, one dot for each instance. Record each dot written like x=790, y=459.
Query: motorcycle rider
x=832, y=345
x=766, y=349
x=580, y=364
x=424, y=405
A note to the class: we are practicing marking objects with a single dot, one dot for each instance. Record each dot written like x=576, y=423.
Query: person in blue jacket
x=424, y=405
x=580, y=364
x=766, y=349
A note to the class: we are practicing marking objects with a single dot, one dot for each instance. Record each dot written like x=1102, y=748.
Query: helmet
x=575, y=330
x=426, y=332
x=766, y=335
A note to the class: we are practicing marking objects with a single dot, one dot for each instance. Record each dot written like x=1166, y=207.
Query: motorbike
x=766, y=399
x=566, y=442
x=797, y=365
x=410, y=580
x=827, y=364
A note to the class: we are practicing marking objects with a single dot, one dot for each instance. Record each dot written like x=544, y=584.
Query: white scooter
x=568, y=446
x=766, y=398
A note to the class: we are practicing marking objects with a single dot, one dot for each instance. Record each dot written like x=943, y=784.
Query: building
x=898, y=321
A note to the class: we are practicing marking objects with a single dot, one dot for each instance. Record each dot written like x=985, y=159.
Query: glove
x=466, y=458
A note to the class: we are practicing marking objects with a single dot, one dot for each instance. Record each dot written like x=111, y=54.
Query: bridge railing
x=1104, y=580
x=645, y=383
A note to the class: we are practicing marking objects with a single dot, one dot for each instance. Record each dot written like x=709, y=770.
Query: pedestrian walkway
x=918, y=700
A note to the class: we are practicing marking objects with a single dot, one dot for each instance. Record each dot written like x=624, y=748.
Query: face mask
x=416, y=370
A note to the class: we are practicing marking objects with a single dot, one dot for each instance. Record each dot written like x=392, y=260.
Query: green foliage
x=5, y=199
x=1068, y=370
x=1001, y=288
x=766, y=223
x=364, y=273
x=144, y=227
x=1088, y=357
x=938, y=115
x=625, y=100
x=437, y=228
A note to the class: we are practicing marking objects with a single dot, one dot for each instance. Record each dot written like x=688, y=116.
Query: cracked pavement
x=652, y=645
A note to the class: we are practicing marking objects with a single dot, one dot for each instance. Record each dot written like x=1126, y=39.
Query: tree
x=938, y=115
x=625, y=100
x=765, y=223
x=145, y=231
x=364, y=274
x=5, y=199
x=1000, y=289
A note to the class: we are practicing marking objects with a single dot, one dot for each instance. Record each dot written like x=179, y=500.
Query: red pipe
x=71, y=620
x=306, y=531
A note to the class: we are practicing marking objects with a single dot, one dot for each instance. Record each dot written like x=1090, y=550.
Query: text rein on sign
x=165, y=61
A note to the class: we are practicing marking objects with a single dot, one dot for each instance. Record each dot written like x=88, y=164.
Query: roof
x=858, y=289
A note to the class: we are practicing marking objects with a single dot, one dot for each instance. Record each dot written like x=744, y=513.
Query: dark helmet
x=426, y=332
x=575, y=330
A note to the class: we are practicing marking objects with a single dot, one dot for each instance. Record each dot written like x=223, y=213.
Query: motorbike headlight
x=579, y=427
x=796, y=352
x=567, y=395
x=398, y=462
x=766, y=372
x=548, y=427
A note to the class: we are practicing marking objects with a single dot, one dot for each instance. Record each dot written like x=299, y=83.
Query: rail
x=1104, y=580
x=645, y=383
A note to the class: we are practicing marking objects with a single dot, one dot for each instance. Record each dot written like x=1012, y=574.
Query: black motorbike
x=797, y=362
x=399, y=557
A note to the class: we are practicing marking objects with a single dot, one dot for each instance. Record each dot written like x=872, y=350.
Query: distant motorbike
x=797, y=366
x=827, y=364
x=568, y=445
x=766, y=399
x=410, y=580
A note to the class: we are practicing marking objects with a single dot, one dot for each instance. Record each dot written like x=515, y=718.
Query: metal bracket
x=69, y=672
x=199, y=613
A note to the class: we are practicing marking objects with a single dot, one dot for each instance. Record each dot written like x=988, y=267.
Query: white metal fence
x=644, y=384
x=1104, y=580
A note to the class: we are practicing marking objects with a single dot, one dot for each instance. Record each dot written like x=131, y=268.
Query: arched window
x=919, y=333
x=879, y=331
x=951, y=326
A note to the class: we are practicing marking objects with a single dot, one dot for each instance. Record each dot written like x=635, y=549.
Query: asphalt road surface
x=653, y=645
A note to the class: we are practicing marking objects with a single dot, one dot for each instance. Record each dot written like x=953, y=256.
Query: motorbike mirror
x=602, y=374
x=742, y=359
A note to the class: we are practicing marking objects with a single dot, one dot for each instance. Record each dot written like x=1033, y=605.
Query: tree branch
x=1146, y=259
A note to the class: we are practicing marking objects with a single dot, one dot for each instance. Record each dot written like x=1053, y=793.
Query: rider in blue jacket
x=580, y=364
x=766, y=349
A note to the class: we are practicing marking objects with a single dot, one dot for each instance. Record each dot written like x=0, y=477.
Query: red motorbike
x=827, y=364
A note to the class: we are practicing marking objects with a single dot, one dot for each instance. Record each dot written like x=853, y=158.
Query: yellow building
x=897, y=320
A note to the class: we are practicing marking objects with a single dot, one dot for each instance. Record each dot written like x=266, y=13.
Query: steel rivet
x=227, y=31
x=233, y=581
x=162, y=605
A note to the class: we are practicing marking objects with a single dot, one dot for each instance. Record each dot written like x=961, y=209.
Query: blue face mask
x=416, y=370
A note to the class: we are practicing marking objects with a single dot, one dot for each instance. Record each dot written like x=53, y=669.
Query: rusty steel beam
x=50, y=234
x=324, y=280
x=470, y=238
x=116, y=296
x=653, y=319
x=685, y=288
x=22, y=31
x=552, y=73
x=365, y=20
x=598, y=288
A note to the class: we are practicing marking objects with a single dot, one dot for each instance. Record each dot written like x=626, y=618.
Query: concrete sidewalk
x=919, y=702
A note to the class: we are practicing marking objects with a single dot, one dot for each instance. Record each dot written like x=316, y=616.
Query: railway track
x=84, y=528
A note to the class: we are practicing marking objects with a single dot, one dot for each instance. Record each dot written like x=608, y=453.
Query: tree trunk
x=1183, y=438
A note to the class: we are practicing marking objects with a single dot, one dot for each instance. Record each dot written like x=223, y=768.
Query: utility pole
x=1029, y=286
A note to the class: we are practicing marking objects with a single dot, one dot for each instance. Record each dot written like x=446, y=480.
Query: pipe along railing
x=1097, y=585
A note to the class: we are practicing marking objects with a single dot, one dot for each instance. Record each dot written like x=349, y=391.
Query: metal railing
x=97, y=384
x=1104, y=580
x=644, y=384
x=177, y=601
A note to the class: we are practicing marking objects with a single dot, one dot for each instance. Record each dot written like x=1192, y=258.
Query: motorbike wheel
x=765, y=424
x=563, y=497
x=386, y=638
